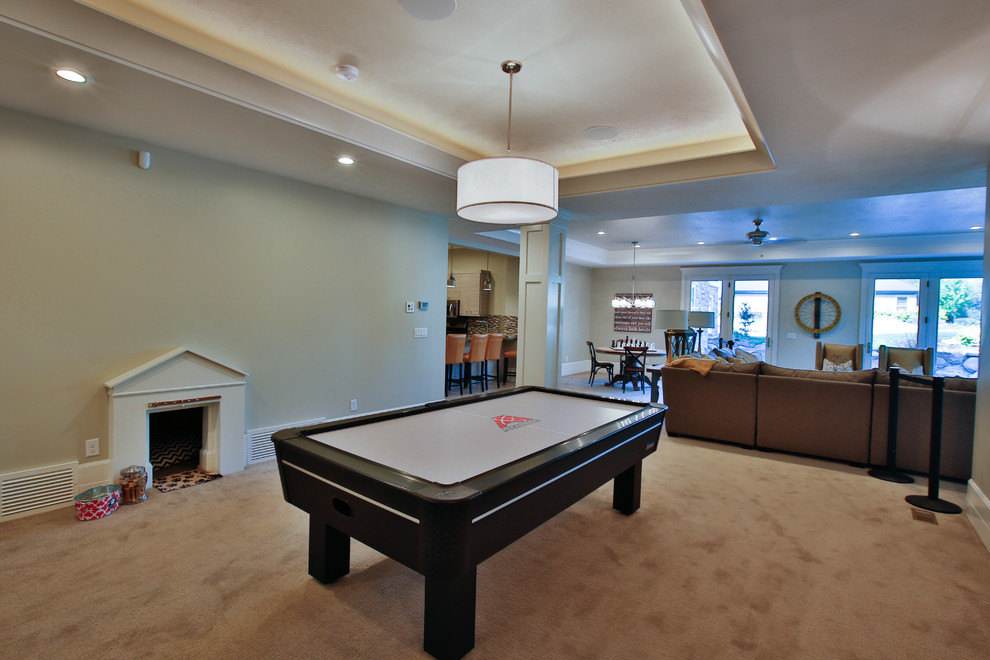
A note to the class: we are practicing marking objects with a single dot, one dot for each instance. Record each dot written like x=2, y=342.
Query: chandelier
x=507, y=190
x=621, y=302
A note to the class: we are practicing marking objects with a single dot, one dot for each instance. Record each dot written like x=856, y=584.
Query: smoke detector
x=347, y=72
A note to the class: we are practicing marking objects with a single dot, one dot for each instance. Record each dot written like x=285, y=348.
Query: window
x=749, y=318
x=927, y=304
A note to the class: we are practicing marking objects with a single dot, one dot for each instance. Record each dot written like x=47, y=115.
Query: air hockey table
x=442, y=487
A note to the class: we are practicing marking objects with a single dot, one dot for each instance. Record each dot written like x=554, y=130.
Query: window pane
x=749, y=319
x=958, y=347
x=895, y=314
x=706, y=296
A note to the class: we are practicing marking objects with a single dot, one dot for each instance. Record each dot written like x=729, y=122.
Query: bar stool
x=476, y=355
x=455, y=355
x=493, y=354
x=508, y=355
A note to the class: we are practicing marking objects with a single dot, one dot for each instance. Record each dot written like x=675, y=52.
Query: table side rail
x=502, y=525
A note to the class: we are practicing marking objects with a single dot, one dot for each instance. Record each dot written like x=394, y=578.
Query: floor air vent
x=28, y=490
x=259, y=441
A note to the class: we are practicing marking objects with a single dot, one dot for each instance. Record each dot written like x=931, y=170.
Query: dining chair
x=633, y=367
x=476, y=355
x=596, y=365
x=455, y=355
x=679, y=343
x=493, y=353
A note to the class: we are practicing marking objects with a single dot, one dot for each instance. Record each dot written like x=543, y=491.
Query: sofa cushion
x=739, y=367
x=719, y=406
x=952, y=383
x=914, y=423
x=815, y=416
x=866, y=376
x=746, y=356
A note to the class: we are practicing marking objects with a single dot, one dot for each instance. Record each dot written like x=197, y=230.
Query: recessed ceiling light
x=854, y=233
x=701, y=242
x=600, y=133
x=975, y=227
x=71, y=75
x=429, y=10
x=345, y=160
x=601, y=233
x=773, y=238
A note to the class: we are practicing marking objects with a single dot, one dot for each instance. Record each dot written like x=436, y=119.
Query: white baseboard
x=978, y=511
x=571, y=368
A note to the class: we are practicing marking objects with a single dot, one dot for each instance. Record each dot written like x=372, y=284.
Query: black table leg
x=449, y=615
x=329, y=551
x=626, y=488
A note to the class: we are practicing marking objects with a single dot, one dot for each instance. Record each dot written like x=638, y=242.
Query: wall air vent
x=30, y=490
x=259, y=441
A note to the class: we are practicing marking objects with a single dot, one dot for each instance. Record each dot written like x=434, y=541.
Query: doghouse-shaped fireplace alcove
x=173, y=381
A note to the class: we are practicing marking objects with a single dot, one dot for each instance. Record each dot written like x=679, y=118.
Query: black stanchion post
x=890, y=472
x=932, y=501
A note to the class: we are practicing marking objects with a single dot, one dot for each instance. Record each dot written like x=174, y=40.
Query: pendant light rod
x=511, y=67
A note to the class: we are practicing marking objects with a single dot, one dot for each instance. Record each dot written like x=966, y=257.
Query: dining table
x=653, y=376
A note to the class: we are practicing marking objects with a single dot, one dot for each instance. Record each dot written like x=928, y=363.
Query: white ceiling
x=823, y=118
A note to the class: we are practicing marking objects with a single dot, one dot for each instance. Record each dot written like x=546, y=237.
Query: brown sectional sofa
x=837, y=415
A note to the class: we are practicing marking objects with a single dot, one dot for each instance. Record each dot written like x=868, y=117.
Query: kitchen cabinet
x=474, y=301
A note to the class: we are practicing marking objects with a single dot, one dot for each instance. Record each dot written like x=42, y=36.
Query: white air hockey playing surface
x=451, y=445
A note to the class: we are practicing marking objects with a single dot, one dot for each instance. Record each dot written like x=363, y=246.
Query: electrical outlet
x=93, y=447
x=353, y=405
x=410, y=307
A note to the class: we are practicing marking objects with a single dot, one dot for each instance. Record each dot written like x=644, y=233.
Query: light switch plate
x=410, y=307
x=792, y=335
x=419, y=333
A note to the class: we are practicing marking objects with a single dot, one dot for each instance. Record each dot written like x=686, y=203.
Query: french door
x=939, y=307
x=744, y=302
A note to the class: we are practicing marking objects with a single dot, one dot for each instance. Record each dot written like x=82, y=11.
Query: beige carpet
x=734, y=554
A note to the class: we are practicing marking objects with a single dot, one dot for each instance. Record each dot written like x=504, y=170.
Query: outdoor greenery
x=746, y=318
x=957, y=299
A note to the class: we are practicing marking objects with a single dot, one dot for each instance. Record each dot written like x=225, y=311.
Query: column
x=541, y=296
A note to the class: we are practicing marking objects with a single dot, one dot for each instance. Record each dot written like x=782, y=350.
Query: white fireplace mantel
x=176, y=379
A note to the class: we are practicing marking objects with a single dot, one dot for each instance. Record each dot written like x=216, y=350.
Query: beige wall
x=104, y=266
x=576, y=321
x=664, y=282
x=839, y=279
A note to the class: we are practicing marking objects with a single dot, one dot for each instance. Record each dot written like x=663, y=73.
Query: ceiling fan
x=757, y=236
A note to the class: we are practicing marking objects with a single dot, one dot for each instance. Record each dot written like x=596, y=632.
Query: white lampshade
x=667, y=319
x=507, y=191
x=701, y=319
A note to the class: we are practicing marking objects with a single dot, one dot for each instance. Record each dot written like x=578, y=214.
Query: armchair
x=908, y=359
x=839, y=355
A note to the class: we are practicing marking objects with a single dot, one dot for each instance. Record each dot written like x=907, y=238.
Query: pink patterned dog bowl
x=97, y=502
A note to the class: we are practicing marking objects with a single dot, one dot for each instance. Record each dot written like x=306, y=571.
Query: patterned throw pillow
x=828, y=365
x=917, y=371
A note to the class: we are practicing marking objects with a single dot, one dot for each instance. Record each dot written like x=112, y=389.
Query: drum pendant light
x=507, y=190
